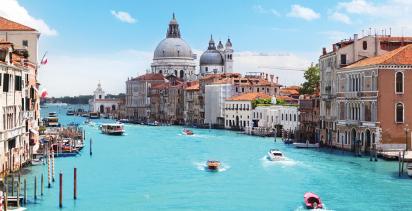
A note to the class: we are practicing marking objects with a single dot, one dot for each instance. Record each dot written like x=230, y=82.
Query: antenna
x=390, y=31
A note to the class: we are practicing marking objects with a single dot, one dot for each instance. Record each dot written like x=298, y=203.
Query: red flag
x=44, y=61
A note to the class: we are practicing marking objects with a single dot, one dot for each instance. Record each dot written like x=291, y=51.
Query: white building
x=99, y=102
x=215, y=96
x=276, y=117
x=239, y=111
x=217, y=60
x=173, y=56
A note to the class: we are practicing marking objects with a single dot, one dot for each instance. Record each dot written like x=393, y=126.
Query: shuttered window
x=6, y=82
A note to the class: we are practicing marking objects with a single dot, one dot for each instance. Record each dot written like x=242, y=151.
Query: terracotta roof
x=397, y=39
x=399, y=56
x=8, y=25
x=285, y=98
x=250, y=96
x=150, y=77
x=193, y=86
x=289, y=91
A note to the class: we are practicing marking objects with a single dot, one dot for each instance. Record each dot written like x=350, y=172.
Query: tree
x=312, y=78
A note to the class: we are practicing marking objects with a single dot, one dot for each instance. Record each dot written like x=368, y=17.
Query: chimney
x=334, y=47
x=355, y=48
x=323, y=51
x=271, y=78
x=277, y=79
x=267, y=78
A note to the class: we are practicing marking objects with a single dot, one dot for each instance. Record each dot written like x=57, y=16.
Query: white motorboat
x=409, y=169
x=306, y=145
x=94, y=115
x=275, y=155
x=112, y=129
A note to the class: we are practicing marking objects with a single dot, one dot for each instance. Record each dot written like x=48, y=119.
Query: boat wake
x=302, y=207
x=284, y=163
x=203, y=167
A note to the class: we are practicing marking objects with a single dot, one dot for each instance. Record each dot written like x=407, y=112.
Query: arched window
x=399, y=82
x=365, y=45
x=399, y=112
x=181, y=74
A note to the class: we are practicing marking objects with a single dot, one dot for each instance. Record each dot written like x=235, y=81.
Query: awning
x=34, y=131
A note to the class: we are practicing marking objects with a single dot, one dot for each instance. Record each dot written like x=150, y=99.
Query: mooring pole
x=35, y=187
x=61, y=191
x=91, y=142
x=75, y=183
x=399, y=164
x=48, y=170
x=52, y=154
x=18, y=194
x=25, y=192
x=42, y=185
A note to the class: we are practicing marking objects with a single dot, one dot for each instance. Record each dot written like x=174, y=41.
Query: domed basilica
x=173, y=56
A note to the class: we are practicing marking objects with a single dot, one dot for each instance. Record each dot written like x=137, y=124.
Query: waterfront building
x=343, y=54
x=192, y=104
x=100, y=103
x=309, y=118
x=173, y=56
x=171, y=101
x=274, y=119
x=17, y=100
x=22, y=37
x=215, y=96
x=217, y=59
x=239, y=110
x=137, y=95
x=373, y=102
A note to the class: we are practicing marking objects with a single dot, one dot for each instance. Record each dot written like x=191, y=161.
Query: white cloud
x=123, y=16
x=305, y=13
x=340, y=17
x=260, y=9
x=358, y=7
x=11, y=9
x=78, y=74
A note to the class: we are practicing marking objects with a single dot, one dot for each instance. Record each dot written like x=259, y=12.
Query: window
x=25, y=43
x=6, y=82
x=399, y=82
x=399, y=113
x=343, y=59
x=17, y=83
x=206, y=69
x=364, y=45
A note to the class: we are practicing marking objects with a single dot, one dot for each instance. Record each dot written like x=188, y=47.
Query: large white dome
x=173, y=47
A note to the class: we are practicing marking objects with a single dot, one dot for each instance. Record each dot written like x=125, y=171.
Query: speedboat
x=155, y=123
x=312, y=201
x=306, y=145
x=94, y=115
x=409, y=169
x=112, y=129
x=36, y=161
x=70, y=113
x=124, y=120
x=187, y=132
x=213, y=165
x=275, y=154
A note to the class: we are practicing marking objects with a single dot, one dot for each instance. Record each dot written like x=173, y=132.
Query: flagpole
x=44, y=55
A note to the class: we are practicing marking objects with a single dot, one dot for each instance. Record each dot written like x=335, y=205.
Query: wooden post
x=91, y=152
x=75, y=184
x=6, y=197
x=48, y=171
x=35, y=187
x=52, y=159
x=12, y=185
x=42, y=184
x=399, y=164
x=25, y=192
x=61, y=191
x=18, y=194
x=403, y=161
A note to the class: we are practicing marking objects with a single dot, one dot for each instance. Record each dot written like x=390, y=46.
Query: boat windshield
x=277, y=154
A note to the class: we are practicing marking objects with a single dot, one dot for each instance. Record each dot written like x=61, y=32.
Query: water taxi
x=409, y=169
x=94, y=115
x=275, y=155
x=306, y=145
x=312, y=201
x=213, y=165
x=112, y=129
x=52, y=120
x=187, y=132
x=70, y=113
x=155, y=123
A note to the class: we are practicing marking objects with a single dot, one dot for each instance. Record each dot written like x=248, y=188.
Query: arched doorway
x=237, y=121
x=113, y=107
x=367, y=141
x=353, y=138
x=101, y=109
x=181, y=74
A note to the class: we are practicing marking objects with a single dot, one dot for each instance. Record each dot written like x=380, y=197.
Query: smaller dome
x=211, y=57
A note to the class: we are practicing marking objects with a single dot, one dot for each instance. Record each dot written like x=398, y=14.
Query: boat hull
x=409, y=169
x=306, y=145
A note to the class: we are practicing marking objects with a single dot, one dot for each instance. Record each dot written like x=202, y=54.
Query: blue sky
x=87, y=42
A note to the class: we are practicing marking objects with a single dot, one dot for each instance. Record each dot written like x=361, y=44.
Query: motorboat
x=36, y=161
x=85, y=115
x=51, y=122
x=409, y=169
x=306, y=145
x=288, y=141
x=70, y=113
x=112, y=129
x=52, y=114
x=155, y=123
x=312, y=201
x=124, y=120
x=187, y=132
x=213, y=165
x=94, y=115
x=275, y=155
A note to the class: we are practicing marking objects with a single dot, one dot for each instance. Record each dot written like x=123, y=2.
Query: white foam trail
x=203, y=167
x=302, y=207
x=284, y=163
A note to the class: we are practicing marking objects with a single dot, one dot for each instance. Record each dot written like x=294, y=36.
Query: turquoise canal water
x=153, y=168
